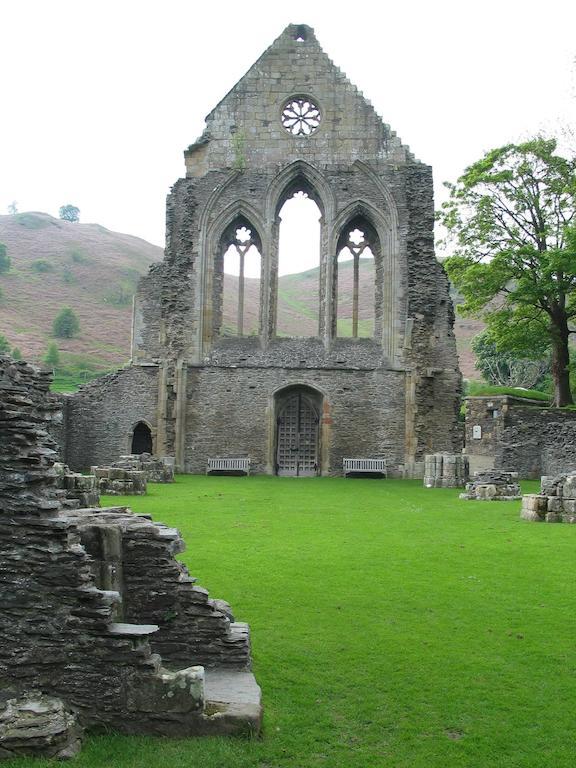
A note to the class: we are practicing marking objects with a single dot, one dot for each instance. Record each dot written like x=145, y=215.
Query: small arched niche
x=357, y=253
x=142, y=439
x=237, y=280
x=299, y=272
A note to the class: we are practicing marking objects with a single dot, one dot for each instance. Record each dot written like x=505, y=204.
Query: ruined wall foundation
x=90, y=598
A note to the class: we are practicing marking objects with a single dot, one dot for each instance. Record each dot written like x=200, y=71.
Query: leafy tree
x=66, y=324
x=13, y=208
x=4, y=259
x=16, y=354
x=4, y=345
x=504, y=369
x=70, y=213
x=52, y=356
x=512, y=216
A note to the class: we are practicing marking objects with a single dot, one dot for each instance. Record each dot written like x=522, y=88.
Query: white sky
x=98, y=99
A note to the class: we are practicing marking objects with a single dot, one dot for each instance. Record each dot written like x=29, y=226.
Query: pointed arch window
x=241, y=275
x=299, y=266
x=358, y=245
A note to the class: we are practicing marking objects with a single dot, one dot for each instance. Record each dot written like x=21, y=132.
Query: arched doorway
x=298, y=432
x=141, y=439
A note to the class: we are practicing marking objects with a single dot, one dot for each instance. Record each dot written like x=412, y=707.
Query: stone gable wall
x=246, y=164
x=245, y=130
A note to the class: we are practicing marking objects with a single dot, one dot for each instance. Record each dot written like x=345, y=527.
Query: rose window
x=300, y=116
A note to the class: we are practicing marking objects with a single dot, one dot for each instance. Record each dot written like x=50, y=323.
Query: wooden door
x=297, y=446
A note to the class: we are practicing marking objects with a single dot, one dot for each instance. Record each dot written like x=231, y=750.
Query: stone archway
x=297, y=446
x=142, y=439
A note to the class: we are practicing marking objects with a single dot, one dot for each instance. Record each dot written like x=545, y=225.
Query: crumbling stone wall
x=492, y=485
x=101, y=416
x=156, y=469
x=60, y=605
x=405, y=380
x=556, y=502
x=527, y=438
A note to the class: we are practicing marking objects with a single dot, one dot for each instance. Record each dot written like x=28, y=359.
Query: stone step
x=132, y=630
x=233, y=701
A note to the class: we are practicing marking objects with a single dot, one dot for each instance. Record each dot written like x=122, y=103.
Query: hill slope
x=93, y=270
x=56, y=263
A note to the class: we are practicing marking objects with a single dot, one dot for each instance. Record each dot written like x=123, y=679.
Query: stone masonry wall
x=246, y=164
x=62, y=595
x=526, y=439
x=55, y=624
x=538, y=442
x=101, y=417
x=230, y=412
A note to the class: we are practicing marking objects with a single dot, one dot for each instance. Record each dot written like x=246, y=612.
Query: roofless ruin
x=374, y=371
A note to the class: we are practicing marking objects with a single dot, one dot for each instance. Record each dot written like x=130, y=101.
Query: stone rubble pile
x=556, y=502
x=80, y=490
x=38, y=725
x=446, y=470
x=156, y=469
x=115, y=481
x=493, y=485
x=80, y=590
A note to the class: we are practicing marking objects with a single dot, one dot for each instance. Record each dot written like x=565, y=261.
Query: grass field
x=392, y=626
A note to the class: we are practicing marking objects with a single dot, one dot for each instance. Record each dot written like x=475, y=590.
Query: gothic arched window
x=299, y=234
x=358, y=245
x=241, y=273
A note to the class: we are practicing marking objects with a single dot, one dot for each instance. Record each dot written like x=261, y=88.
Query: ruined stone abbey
x=209, y=380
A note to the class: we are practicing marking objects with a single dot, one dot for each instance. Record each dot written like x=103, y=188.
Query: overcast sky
x=99, y=99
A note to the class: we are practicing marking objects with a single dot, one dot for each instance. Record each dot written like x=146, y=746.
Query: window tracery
x=301, y=116
x=240, y=280
x=356, y=277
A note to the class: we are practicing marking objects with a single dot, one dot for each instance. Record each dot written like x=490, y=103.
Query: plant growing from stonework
x=4, y=345
x=239, y=144
x=512, y=219
x=66, y=324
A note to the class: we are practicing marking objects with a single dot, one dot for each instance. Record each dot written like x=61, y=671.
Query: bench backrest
x=238, y=463
x=364, y=465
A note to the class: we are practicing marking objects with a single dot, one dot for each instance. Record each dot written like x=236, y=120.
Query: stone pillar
x=445, y=470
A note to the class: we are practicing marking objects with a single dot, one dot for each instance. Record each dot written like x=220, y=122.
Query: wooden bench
x=364, y=467
x=229, y=465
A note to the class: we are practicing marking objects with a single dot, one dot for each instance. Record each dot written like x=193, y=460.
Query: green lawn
x=392, y=625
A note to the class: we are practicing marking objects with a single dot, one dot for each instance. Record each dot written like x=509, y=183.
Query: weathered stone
x=38, y=725
x=558, y=496
x=117, y=481
x=81, y=588
x=81, y=490
x=443, y=470
x=492, y=485
x=155, y=469
x=518, y=432
x=555, y=504
x=569, y=487
x=197, y=392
